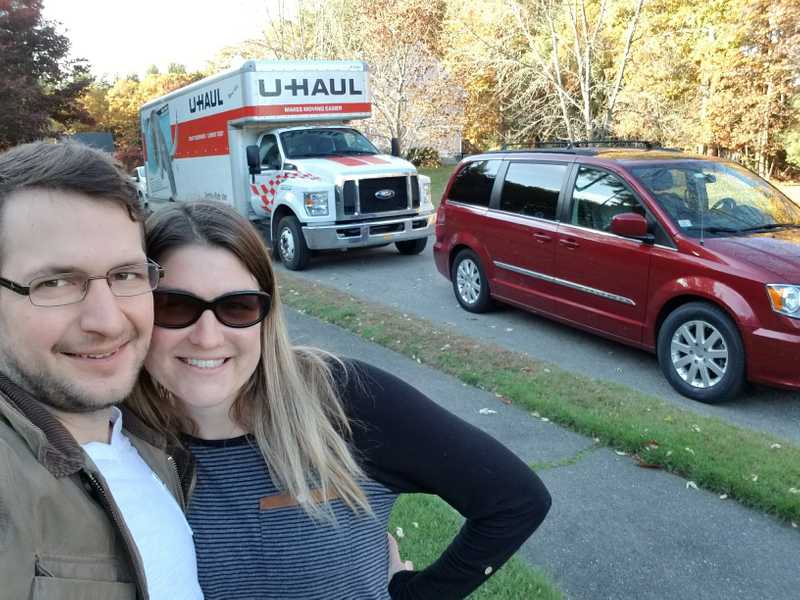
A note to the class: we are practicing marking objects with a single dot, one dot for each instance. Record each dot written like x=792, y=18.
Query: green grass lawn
x=428, y=525
x=439, y=177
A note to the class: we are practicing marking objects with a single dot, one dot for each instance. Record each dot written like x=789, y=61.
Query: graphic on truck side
x=158, y=140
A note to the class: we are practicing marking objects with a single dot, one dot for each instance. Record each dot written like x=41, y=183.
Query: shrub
x=424, y=156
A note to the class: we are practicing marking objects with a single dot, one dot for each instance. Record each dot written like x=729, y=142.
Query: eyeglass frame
x=212, y=305
x=25, y=290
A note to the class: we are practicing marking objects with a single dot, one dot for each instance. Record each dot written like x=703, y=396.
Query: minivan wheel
x=469, y=282
x=292, y=248
x=701, y=353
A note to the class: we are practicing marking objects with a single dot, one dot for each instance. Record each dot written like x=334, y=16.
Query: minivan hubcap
x=699, y=354
x=287, y=244
x=468, y=280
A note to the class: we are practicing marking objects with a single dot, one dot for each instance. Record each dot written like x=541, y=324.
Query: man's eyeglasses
x=176, y=309
x=61, y=289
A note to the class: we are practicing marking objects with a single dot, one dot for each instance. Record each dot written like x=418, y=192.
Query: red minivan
x=694, y=258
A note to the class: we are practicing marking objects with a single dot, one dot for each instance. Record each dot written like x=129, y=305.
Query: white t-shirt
x=155, y=520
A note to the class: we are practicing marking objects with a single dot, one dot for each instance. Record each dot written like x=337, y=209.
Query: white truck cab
x=273, y=140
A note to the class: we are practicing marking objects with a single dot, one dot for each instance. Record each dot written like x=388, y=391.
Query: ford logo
x=384, y=194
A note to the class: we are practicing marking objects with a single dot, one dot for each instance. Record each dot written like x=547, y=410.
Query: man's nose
x=100, y=310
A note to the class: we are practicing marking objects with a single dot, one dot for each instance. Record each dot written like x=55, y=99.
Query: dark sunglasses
x=175, y=309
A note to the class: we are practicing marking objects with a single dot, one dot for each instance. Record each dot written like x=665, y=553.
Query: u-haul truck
x=271, y=139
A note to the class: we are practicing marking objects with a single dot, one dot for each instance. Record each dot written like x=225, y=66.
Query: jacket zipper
x=130, y=546
x=182, y=492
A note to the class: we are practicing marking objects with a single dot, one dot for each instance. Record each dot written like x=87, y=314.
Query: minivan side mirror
x=253, y=160
x=631, y=225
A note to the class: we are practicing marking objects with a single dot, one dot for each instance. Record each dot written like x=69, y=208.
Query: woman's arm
x=410, y=444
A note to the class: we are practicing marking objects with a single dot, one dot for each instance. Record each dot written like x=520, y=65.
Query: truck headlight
x=426, y=193
x=785, y=299
x=316, y=203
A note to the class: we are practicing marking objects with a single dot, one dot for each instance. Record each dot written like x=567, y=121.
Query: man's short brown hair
x=70, y=167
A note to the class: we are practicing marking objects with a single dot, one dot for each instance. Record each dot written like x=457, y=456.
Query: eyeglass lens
x=67, y=288
x=175, y=310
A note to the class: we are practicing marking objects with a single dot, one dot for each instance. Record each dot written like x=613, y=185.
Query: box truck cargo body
x=273, y=139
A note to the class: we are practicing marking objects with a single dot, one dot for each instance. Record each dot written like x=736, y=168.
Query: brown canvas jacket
x=61, y=534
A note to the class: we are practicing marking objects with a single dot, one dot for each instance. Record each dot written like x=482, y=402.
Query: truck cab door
x=265, y=186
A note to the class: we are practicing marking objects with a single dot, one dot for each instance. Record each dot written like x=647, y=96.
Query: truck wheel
x=410, y=247
x=469, y=282
x=701, y=353
x=292, y=245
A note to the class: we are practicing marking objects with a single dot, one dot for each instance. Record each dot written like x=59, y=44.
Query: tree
x=115, y=107
x=40, y=86
x=559, y=65
x=719, y=76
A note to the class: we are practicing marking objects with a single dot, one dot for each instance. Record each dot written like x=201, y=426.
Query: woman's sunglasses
x=176, y=310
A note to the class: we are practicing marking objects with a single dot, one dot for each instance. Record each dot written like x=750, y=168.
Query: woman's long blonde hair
x=290, y=404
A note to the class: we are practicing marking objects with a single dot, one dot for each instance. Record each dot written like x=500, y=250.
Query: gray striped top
x=251, y=546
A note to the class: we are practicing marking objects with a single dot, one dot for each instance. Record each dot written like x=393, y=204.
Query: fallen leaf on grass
x=399, y=533
x=645, y=464
x=794, y=491
x=690, y=451
x=775, y=446
x=415, y=524
x=753, y=477
x=723, y=497
x=620, y=453
x=487, y=411
x=691, y=485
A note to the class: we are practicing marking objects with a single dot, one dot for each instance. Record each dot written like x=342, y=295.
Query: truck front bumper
x=373, y=233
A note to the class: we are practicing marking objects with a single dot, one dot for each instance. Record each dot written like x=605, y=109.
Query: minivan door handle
x=542, y=237
x=569, y=243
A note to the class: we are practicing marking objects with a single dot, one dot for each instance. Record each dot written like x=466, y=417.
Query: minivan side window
x=599, y=196
x=473, y=183
x=532, y=189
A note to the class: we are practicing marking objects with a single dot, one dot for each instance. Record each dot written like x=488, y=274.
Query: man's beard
x=52, y=392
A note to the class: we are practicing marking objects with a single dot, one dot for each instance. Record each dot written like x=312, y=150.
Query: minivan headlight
x=316, y=203
x=785, y=299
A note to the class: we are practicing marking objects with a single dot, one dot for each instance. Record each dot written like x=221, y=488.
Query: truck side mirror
x=253, y=160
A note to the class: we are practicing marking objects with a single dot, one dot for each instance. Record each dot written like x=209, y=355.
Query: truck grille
x=376, y=196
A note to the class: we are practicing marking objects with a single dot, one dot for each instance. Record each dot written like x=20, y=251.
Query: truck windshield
x=718, y=198
x=308, y=143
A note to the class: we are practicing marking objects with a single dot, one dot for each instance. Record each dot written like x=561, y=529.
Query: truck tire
x=701, y=353
x=292, y=248
x=410, y=247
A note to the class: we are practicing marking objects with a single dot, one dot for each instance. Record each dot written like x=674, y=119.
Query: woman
x=299, y=455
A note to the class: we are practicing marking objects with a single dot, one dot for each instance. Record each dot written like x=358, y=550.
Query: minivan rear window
x=473, y=183
x=532, y=189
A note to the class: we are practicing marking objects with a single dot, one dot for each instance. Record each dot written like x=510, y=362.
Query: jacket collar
x=54, y=446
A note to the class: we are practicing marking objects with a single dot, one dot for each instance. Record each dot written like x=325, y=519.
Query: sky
x=121, y=37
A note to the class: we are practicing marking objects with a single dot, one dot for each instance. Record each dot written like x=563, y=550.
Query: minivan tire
x=469, y=282
x=291, y=244
x=690, y=367
x=411, y=247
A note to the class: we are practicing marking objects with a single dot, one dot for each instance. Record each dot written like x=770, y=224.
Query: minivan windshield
x=711, y=198
x=325, y=141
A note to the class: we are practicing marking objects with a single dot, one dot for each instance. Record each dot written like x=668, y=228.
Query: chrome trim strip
x=565, y=283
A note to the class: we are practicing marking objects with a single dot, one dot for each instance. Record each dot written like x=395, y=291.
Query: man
x=87, y=509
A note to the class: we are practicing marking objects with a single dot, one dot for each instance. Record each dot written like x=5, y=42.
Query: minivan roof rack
x=569, y=147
